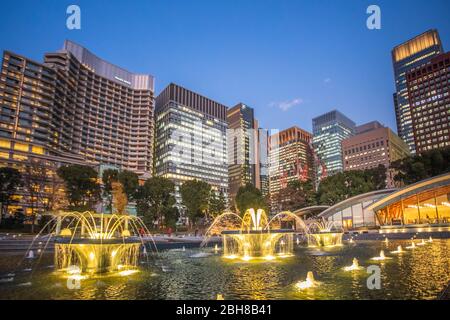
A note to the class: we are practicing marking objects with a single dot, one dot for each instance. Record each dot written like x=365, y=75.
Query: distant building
x=372, y=145
x=406, y=56
x=290, y=159
x=263, y=140
x=429, y=100
x=191, y=139
x=243, y=149
x=329, y=130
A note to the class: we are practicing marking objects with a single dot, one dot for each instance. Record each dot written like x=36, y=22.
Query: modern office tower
x=77, y=103
x=243, y=149
x=75, y=108
x=263, y=141
x=405, y=57
x=290, y=158
x=372, y=145
x=329, y=130
x=191, y=139
x=429, y=100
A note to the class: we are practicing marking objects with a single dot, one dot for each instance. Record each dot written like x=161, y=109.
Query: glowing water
x=381, y=257
x=308, y=283
x=325, y=234
x=399, y=250
x=254, y=235
x=354, y=266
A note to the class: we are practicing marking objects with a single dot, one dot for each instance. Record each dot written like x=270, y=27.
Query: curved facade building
x=79, y=104
x=355, y=212
x=425, y=202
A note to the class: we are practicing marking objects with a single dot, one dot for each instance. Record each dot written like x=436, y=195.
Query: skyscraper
x=429, y=100
x=191, y=139
x=405, y=57
x=263, y=141
x=329, y=130
x=243, y=148
x=75, y=108
x=290, y=159
x=372, y=145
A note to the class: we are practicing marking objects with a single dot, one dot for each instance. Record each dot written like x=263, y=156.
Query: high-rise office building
x=191, y=139
x=372, y=145
x=263, y=141
x=75, y=108
x=243, y=149
x=290, y=159
x=329, y=130
x=429, y=100
x=405, y=57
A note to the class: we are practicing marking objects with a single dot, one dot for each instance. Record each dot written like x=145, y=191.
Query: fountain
x=412, y=246
x=381, y=257
x=422, y=243
x=310, y=282
x=254, y=236
x=355, y=266
x=325, y=234
x=91, y=243
x=398, y=251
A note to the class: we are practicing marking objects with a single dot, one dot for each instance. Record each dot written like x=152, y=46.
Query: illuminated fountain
x=91, y=243
x=310, y=282
x=412, y=246
x=324, y=234
x=398, y=251
x=381, y=257
x=355, y=266
x=254, y=236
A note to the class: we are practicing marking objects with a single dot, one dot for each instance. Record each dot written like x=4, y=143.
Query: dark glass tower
x=405, y=57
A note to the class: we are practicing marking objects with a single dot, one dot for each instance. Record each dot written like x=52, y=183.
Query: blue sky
x=290, y=60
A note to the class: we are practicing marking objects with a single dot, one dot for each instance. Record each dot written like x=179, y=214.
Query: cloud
x=286, y=105
x=327, y=80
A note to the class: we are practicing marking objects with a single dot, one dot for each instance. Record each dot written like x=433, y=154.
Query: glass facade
x=426, y=207
x=190, y=144
x=405, y=57
x=328, y=132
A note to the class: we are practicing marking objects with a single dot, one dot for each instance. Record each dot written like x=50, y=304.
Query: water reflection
x=415, y=274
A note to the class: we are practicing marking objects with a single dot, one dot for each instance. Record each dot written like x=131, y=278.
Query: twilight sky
x=290, y=60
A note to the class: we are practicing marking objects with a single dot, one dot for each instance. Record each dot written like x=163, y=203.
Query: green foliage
x=155, y=200
x=217, y=203
x=130, y=183
x=10, y=180
x=426, y=165
x=82, y=188
x=347, y=184
x=195, y=196
x=249, y=196
x=109, y=176
x=298, y=194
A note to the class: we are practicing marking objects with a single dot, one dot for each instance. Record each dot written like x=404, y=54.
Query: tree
x=217, y=203
x=109, y=176
x=119, y=197
x=10, y=181
x=130, y=183
x=195, y=196
x=418, y=167
x=347, y=184
x=35, y=179
x=82, y=188
x=298, y=194
x=155, y=200
x=249, y=197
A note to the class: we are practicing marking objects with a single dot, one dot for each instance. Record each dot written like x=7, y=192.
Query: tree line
x=78, y=188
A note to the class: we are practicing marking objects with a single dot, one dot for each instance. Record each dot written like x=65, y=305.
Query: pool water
x=421, y=273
